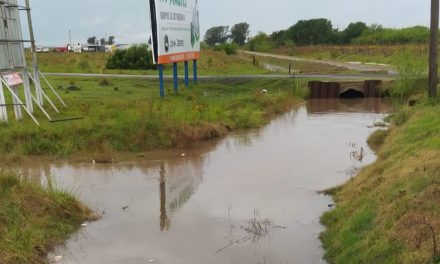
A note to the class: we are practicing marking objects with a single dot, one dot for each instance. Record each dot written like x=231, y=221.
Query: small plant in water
x=253, y=230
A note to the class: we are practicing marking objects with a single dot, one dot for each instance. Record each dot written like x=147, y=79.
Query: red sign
x=12, y=79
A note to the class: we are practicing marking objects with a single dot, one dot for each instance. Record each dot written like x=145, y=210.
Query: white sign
x=175, y=30
x=12, y=79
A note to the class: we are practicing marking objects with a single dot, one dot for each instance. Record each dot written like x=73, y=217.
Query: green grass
x=386, y=54
x=298, y=67
x=211, y=63
x=376, y=140
x=128, y=115
x=385, y=214
x=33, y=220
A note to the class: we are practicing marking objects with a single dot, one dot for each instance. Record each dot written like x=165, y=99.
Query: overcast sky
x=128, y=19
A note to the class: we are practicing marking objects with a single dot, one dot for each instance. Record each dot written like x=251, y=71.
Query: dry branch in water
x=253, y=230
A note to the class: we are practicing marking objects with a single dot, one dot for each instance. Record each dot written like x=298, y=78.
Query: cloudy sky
x=128, y=19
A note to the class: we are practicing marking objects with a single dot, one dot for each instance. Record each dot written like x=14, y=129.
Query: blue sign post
x=186, y=74
x=195, y=71
x=176, y=78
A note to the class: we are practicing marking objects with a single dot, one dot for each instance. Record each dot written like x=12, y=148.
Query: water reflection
x=164, y=221
x=176, y=188
x=367, y=105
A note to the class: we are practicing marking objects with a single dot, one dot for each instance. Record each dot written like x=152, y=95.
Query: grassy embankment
x=128, y=115
x=33, y=220
x=390, y=212
x=211, y=63
x=386, y=54
x=297, y=67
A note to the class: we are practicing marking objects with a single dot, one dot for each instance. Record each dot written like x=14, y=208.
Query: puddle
x=192, y=208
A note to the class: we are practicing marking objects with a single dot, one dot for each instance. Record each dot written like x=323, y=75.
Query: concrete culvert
x=351, y=94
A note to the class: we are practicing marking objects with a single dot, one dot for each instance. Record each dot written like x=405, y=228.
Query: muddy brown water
x=195, y=208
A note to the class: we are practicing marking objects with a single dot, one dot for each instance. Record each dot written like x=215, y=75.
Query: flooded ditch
x=249, y=198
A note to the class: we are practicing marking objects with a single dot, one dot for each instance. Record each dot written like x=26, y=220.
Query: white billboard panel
x=11, y=37
x=175, y=30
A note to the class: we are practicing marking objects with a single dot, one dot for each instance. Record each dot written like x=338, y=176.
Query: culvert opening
x=351, y=94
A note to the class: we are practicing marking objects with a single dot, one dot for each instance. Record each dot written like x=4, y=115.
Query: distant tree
x=137, y=57
x=240, y=33
x=111, y=40
x=261, y=42
x=91, y=40
x=353, y=31
x=312, y=32
x=278, y=37
x=376, y=34
x=217, y=35
x=371, y=35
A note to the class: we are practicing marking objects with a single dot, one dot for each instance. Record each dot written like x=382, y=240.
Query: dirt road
x=356, y=66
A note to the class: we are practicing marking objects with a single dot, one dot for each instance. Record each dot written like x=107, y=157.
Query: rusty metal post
x=315, y=88
x=371, y=88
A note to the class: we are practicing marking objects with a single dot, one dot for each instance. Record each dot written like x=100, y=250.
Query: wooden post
x=17, y=103
x=433, y=49
x=27, y=91
x=38, y=89
x=3, y=112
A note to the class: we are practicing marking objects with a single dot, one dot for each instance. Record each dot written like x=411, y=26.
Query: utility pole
x=433, y=49
x=70, y=39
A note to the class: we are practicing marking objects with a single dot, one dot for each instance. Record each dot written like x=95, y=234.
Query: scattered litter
x=331, y=205
x=125, y=207
x=183, y=154
x=152, y=261
x=84, y=225
x=264, y=91
x=57, y=258
x=94, y=161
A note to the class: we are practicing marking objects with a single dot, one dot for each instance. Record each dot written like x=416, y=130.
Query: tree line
x=316, y=32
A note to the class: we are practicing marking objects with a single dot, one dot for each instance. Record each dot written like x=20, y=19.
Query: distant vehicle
x=62, y=49
x=94, y=48
x=42, y=50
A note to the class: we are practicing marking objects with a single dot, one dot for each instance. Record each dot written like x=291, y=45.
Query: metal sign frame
x=13, y=54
